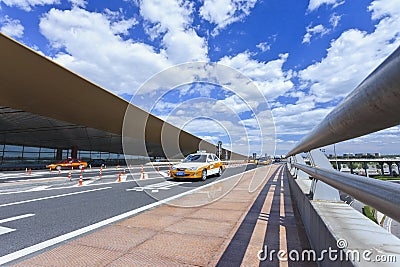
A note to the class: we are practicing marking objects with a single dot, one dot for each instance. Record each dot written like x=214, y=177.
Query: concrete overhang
x=45, y=104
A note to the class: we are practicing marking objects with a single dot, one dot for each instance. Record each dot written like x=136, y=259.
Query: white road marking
x=17, y=218
x=164, y=174
x=51, y=197
x=87, y=182
x=38, y=188
x=5, y=230
x=164, y=185
x=123, y=178
x=56, y=240
x=38, y=179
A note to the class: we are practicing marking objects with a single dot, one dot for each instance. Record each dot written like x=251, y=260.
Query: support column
x=59, y=154
x=74, y=152
x=382, y=171
x=390, y=169
x=398, y=168
x=366, y=169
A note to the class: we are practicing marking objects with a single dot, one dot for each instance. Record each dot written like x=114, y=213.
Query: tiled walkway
x=228, y=232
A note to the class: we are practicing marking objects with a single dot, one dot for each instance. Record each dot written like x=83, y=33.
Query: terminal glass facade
x=14, y=156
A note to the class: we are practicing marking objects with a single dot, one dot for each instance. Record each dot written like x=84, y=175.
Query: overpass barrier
x=382, y=195
x=320, y=192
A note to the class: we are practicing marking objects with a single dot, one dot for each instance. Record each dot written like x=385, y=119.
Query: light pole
x=219, y=149
x=334, y=151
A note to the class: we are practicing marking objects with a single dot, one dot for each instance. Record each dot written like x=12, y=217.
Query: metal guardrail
x=374, y=105
x=381, y=195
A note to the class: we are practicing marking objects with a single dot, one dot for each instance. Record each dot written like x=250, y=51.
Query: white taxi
x=198, y=165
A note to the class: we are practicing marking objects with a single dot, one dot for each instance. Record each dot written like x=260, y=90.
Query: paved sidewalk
x=227, y=232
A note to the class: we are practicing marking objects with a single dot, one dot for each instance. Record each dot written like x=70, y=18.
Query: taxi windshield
x=195, y=158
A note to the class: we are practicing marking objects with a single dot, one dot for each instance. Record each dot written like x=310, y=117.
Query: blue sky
x=303, y=56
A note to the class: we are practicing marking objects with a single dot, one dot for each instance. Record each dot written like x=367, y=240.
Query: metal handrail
x=372, y=106
x=381, y=195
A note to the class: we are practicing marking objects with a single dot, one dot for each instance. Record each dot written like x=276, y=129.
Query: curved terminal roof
x=44, y=104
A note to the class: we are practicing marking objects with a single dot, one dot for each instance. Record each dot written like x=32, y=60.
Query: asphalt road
x=39, y=207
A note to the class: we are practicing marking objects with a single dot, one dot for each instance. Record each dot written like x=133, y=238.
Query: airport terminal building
x=49, y=113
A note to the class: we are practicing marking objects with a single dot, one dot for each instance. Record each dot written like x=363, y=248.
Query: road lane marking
x=62, y=238
x=51, y=197
x=164, y=174
x=17, y=218
x=154, y=187
x=5, y=230
x=38, y=188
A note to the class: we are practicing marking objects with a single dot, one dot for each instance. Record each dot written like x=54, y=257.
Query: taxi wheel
x=204, y=175
x=219, y=172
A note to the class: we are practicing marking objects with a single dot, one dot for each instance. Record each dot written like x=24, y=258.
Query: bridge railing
x=373, y=105
x=382, y=195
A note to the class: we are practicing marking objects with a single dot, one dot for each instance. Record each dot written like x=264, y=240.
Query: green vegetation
x=370, y=213
x=386, y=178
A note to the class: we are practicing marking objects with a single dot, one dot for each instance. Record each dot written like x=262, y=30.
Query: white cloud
x=234, y=103
x=354, y=55
x=316, y=30
x=173, y=18
x=225, y=12
x=122, y=26
x=385, y=142
x=315, y=4
x=264, y=46
x=94, y=49
x=269, y=76
x=202, y=119
x=11, y=27
x=27, y=5
x=78, y=3
x=334, y=20
x=350, y=58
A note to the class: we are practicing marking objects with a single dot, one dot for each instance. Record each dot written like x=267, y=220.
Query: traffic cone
x=59, y=171
x=124, y=171
x=101, y=171
x=142, y=174
x=80, y=179
x=69, y=176
x=119, y=177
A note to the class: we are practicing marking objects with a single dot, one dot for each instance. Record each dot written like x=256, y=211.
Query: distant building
x=348, y=155
x=360, y=155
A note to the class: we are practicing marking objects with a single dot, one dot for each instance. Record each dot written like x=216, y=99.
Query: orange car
x=68, y=163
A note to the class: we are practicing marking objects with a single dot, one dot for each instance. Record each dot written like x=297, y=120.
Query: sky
x=301, y=57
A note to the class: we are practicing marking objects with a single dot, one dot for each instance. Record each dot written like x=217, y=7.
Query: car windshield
x=195, y=158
